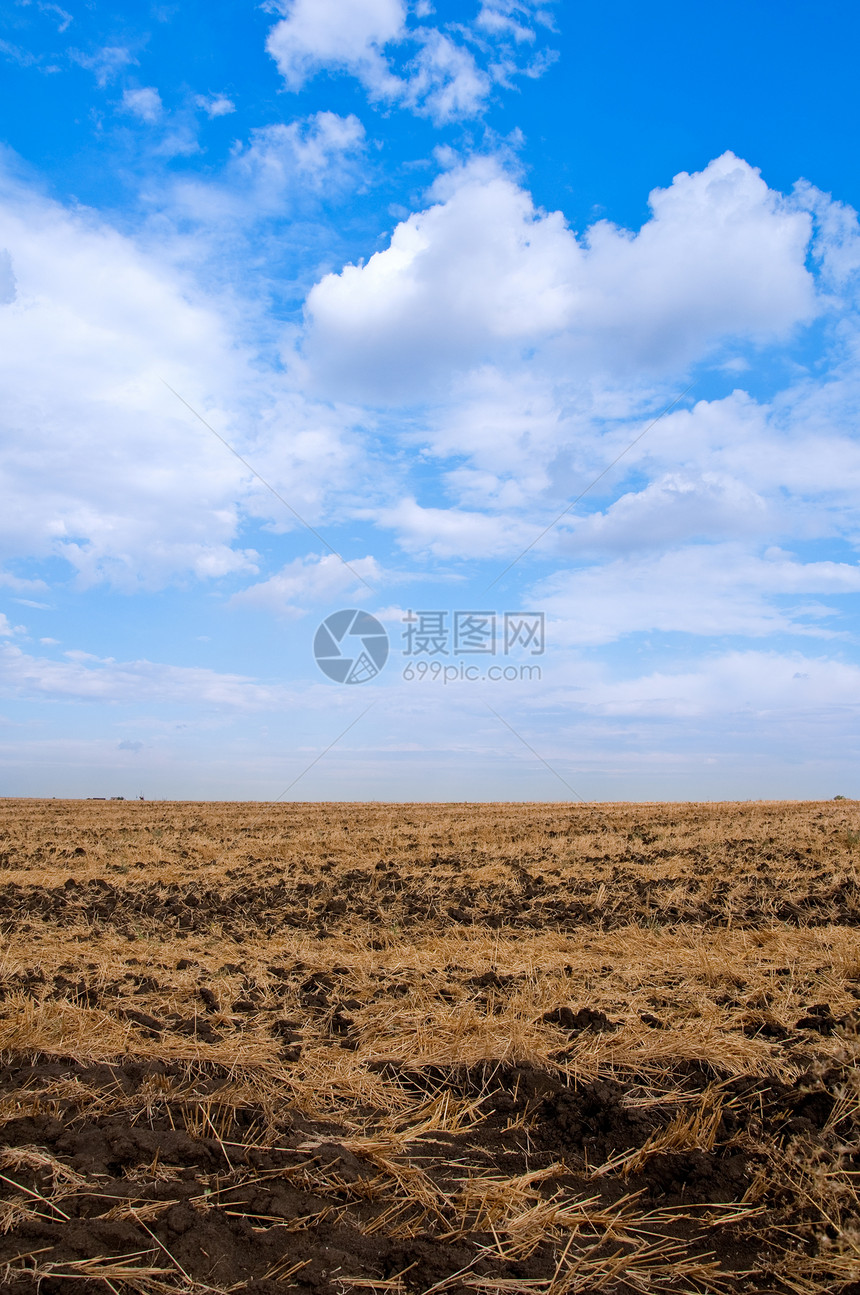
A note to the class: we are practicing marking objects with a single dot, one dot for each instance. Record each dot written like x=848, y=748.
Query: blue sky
x=429, y=270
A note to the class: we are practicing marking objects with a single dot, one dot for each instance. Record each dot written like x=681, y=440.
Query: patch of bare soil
x=143, y=1172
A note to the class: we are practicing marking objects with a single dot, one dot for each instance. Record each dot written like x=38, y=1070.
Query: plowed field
x=536, y=1049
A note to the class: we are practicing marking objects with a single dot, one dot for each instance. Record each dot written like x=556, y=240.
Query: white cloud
x=712, y=590
x=144, y=103
x=216, y=105
x=179, y=140
x=64, y=19
x=84, y=677
x=85, y=344
x=369, y=39
x=5, y=627
x=348, y=34
x=475, y=271
x=836, y=245
x=797, y=452
x=482, y=275
x=104, y=63
x=784, y=686
x=453, y=532
x=725, y=470
x=536, y=356
x=307, y=581
x=677, y=507
x=8, y=581
x=8, y=286
x=500, y=18
x=508, y=426
x=100, y=464
x=446, y=82
x=282, y=167
x=23, y=57
x=307, y=150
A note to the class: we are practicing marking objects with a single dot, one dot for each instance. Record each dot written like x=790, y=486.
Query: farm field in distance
x=539, y=1049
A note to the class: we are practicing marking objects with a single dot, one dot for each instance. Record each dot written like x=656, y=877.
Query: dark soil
x=554, y=868
x=263, y=1192
x=527, y=901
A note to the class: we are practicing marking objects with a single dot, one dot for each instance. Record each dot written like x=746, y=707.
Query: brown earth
x=530, y=1049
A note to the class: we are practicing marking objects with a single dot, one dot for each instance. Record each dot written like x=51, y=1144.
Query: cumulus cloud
x=307, y=150
x=675, y=508
x=308, y=581
x=491, y=301
x=144, y=103
x=836, y=245
x=283, y=166
x=104, y=324
x=453, y=532
x=536, y=357
x=433, y=72
x=350, y=35
x=446, y=82
x=101, y=466
x=797, y=455
x=481, y=275
x=216, y=105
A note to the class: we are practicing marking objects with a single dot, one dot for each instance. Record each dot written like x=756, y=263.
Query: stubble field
x=525, y=1049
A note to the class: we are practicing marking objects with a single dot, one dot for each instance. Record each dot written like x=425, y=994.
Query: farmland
x=525, y=1049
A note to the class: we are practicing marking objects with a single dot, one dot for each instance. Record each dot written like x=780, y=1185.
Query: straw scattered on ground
x=536, y=1049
